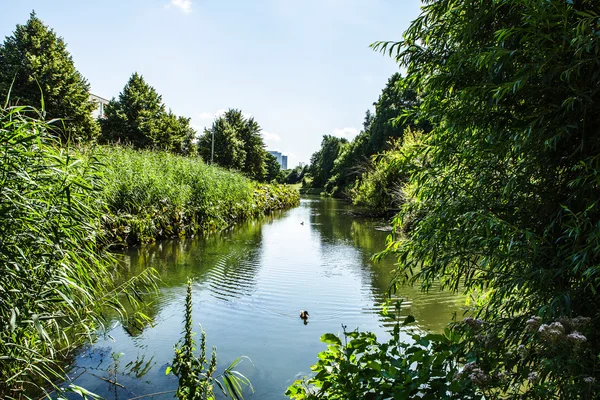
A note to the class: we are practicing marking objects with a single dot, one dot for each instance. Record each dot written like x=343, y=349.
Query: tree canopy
x=322, y=161
x=37, y=70
x=139, y=118
x=238, y=144
x=395, y=111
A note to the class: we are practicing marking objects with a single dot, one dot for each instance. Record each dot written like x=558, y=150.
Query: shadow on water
x=249, y=285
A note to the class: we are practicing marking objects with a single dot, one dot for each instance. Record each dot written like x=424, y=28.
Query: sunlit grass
x=151, y=195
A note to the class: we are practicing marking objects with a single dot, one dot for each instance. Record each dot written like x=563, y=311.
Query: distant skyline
x=301, y=69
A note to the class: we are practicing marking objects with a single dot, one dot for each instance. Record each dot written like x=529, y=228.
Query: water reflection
x=249, y=287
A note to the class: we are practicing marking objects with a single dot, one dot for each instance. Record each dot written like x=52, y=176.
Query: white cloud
x=183, y=5
x=271, y=137
x=206, y=115
x=348, y=133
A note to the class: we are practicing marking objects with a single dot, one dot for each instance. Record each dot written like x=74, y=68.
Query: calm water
x=249, y=286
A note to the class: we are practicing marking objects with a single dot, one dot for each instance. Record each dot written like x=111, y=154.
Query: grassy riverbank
x=154, y=195
x=60, y=209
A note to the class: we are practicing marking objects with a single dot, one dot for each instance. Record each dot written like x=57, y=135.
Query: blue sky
x=302, y=68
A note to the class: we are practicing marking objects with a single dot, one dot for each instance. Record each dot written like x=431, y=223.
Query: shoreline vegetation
x=489, y=146
x=64, y=208
x=153, y=195
x=74, y=187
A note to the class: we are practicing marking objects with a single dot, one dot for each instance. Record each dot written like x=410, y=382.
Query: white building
x=100, y=104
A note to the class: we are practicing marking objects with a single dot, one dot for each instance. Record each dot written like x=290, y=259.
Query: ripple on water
x=251, y=285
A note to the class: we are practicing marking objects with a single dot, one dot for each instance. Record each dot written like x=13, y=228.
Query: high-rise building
x=281, y=159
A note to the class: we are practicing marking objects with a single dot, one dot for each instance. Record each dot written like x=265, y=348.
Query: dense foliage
x=139, y=118
x=37, y=70
x=151, y=195
x=321, y=162
x=380, y=189
x=501, y=197
x=363, y=368
x=341, y=172
x=294, y=175
x=55, y=280
x=238, y=144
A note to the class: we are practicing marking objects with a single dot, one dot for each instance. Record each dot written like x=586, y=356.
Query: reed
x=56, y=281
x=62, y=208
x=152, y=195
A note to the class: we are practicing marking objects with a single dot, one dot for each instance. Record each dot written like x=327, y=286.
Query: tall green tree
x=138, y=118
x=238, y=144
x=395, y=111
x=322, y=161
x=254, y=146
x=37, y=70
x=272, y=167
x=397, y=100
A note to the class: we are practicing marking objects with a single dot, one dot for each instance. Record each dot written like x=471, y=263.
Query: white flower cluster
x=579, y=322
x=533, y=377
x=533, y=323
x=556, y=331
x=553, y=332
x=476, y=374
x=577, y=337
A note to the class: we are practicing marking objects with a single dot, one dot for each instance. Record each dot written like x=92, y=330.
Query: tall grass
x=60, y=210
x=151, y=195
x=54, y=280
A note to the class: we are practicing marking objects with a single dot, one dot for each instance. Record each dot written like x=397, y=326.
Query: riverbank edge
x=122, y=230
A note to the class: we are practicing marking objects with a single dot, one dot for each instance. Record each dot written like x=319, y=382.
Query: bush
x=363, y=368
x=381, y=189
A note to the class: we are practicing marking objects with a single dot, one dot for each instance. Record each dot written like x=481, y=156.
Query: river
x=249, y=285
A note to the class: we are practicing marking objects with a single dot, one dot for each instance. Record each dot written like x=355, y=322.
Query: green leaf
x=331, y=339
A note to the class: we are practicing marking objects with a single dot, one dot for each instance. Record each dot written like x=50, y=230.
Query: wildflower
x=478, y=377
x=577, y=337
x=552, y=332
x=533, y=323
x=533, y=377
x=589, y=379
x=467, y=368
x=580, y=322
x=565, y=321
x=522, y=350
